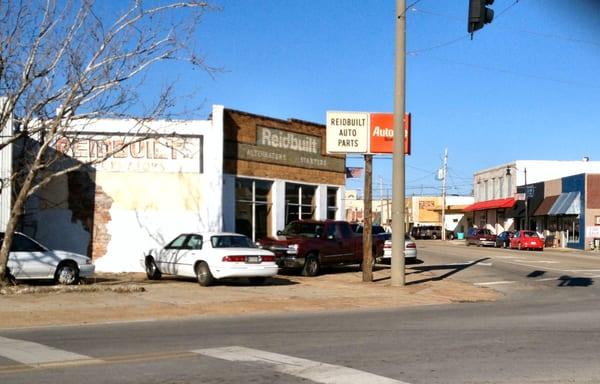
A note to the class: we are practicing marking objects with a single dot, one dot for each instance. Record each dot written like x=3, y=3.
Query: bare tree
x=66, y=62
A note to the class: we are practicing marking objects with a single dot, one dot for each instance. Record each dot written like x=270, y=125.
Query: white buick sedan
x=211, y=256
x=410, y=250
x=29, y=259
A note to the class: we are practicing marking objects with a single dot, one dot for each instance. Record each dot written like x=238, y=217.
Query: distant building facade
x=557, y=198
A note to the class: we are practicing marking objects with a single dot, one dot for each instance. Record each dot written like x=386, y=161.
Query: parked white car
x=29, y=259
x=410, y=250
x=211, y=256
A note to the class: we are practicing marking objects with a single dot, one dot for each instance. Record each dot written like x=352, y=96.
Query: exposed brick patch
x=100, y=235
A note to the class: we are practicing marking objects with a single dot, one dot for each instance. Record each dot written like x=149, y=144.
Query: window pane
x=331, y=214
x=243, y=218
x=229, y=241
x=307, y=212
x=291, y=193
x=243, y=189
x=332, y=197
x=262, y=190
x=177, y=242
x=194, y=242
x=308, y=194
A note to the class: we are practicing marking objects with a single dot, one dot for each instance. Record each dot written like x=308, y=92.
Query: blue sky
x=526, y=87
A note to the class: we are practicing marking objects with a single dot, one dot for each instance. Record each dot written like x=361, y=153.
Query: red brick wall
x=241, y=127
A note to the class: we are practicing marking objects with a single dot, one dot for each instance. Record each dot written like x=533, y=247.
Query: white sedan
x=410, y=250
x=211, y=256
x=29, y=259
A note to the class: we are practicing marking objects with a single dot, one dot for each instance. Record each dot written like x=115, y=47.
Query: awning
x=491, y=204
x=545, y=206
x=568, y=203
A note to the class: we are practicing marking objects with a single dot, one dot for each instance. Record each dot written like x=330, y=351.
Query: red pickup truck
x=309, y=245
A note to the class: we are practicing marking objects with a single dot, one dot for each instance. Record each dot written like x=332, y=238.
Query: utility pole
x=526, y=201
x=381, y=200
x=398, y=273
x=445, y=172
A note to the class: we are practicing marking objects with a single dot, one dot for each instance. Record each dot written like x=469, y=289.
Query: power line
x=520, y=74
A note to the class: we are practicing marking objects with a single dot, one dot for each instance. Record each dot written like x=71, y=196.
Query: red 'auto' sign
x=382, y=133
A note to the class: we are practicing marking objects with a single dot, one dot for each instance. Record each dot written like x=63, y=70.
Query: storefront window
x=331, y=202
x=300, y=202
x=253, y=207
x=570, y=225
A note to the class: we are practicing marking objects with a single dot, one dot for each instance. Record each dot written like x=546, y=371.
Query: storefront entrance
x=253, y=207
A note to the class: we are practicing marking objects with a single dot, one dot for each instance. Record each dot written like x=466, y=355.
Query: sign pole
x=398, y=275
x=367, y=267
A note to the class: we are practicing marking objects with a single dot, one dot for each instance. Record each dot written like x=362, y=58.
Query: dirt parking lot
x=126, y=297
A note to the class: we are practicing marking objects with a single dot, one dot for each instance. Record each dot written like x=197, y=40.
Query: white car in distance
x=30, y=260
x=211, y=256
x=410, y=250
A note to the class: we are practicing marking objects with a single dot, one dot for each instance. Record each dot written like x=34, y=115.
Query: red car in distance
x=527, y=240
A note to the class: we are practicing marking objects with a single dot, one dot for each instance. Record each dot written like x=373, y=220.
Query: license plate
x=533, y=243
x=252, y=259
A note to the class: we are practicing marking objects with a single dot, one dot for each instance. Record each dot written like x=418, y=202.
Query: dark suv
x=480, y=237
x=430, y=232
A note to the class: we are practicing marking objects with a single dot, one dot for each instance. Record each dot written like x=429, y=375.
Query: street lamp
x=526, y=195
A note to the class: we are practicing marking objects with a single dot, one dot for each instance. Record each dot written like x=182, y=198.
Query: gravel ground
x=127, y=297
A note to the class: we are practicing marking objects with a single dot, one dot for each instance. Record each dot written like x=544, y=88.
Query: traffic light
x=479, y=14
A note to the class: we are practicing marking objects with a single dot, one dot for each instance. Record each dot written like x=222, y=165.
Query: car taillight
x=268, y=258
x=234, y=259
x=411, y=245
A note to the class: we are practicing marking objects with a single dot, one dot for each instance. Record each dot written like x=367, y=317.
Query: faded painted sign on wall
x=130, y=153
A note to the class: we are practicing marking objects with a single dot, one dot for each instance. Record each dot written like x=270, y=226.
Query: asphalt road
x=545, y=330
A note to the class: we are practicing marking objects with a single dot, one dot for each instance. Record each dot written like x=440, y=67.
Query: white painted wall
x=151, y=201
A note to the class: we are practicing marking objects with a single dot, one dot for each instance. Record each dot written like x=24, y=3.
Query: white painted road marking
x=496, y=283
x=303, y=368
x=27, y=352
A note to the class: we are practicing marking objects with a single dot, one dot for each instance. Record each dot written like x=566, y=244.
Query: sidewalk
x=128, y=297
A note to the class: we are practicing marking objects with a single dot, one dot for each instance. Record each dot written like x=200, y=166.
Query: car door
x=330, y=249
x=514, y=241
x=167, y=258
x=187, y=255
x=347, y=243
x=29, y=260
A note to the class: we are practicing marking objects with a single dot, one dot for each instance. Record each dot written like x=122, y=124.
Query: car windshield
x=231, y=241
x=530, y=234
x=302, y=229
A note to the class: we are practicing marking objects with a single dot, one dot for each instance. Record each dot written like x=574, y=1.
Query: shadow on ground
x=452, y=269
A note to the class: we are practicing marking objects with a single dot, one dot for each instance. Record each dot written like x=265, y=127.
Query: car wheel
x=203, y=274
x=311, y=266
x=257, y=280
x=152, y=270
x=66, y=273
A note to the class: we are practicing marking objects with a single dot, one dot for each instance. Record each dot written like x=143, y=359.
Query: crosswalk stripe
x=303, y=368
x=27, y=352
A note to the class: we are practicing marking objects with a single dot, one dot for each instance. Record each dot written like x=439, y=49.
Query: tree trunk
x=15, y=214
